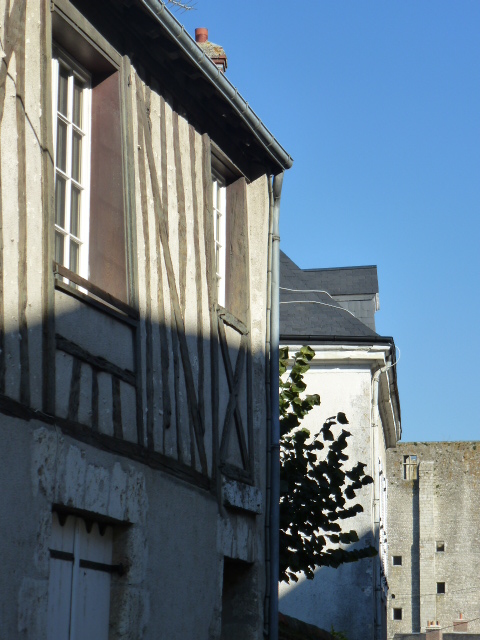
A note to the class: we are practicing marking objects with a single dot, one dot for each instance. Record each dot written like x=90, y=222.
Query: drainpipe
x=376, y=498
x=376, y=506
x=266, y=607
x=275, y=409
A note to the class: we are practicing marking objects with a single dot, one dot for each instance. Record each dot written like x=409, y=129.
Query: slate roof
x=346, y=280
x=306, y=313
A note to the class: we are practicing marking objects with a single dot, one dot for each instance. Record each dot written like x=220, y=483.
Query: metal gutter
x=268, y=355
x=158, y=10
x=326, y=339
x=275, y=411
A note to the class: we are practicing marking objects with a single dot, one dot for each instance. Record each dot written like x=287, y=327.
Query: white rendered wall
x=341, y=597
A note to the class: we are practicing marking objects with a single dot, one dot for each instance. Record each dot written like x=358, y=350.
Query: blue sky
x=378, y=102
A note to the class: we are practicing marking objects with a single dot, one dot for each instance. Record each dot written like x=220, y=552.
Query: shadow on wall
x=135, y=387
x=342, y=598
x=415, y=557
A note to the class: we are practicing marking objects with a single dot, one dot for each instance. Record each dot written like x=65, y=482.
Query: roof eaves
x=177, y=31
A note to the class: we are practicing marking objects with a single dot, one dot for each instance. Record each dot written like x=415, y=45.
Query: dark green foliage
x=315, y=489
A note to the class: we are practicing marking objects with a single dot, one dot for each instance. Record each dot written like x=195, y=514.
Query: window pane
x=63, y=91
x=60, y=202
x=77, y=103
x=75, y=212
x=76, y=157
x=59, y=252
x=62, y=146
x=74, y=256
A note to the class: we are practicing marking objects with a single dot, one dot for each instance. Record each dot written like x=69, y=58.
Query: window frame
x=441, y=588
x=219, y=192
x=397, y=613
x=410, y=467
x=79, y=40
x=60, y=58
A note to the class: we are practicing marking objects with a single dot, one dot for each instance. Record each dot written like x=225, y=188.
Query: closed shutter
x=107, y=259
x=237, y=294
x=79, y=589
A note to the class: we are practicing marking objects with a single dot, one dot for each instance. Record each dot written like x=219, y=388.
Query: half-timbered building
x=136, y=213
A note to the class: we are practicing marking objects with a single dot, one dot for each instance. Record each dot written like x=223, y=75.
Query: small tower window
x=397, y=561
x=440, y=587
x=398, y=614
x=410, y=467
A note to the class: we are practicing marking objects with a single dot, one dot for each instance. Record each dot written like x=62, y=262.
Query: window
x=231, y=235
x=398, y=614
x=219, y=225
x=410, y=467
x=90, y=236
x=71, y=100
x=397, y=561
x=440, y=546
x=440, y=587
x=79, y=583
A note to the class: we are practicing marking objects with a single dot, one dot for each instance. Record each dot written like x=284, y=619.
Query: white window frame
x=60, y=58
x=220, y=236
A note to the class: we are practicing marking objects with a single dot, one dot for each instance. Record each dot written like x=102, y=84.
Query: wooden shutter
x=60, y=583
x=91, y=598
x=79, y=592
x=237, y=293
x=107, y=253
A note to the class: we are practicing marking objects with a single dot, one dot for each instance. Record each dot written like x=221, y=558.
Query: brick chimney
x=460, y=624
x=215, y=52
x=433, y=631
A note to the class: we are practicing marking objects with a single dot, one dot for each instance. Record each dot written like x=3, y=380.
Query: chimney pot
x=201, y=35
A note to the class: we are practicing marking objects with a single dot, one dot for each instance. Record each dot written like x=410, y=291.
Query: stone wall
x=434, y=524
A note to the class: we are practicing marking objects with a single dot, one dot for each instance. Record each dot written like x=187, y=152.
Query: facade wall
x=349, y=598
x=126, y=415
x=437, y=509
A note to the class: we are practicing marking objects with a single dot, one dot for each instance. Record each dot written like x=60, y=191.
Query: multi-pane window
x=72, y=114
x=219, y=224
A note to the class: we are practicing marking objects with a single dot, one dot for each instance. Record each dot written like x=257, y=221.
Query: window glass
x=77, y=102
x=60, y=202
x=61, y=146
x=62, y=103
x=76, y=157
x=72, y=154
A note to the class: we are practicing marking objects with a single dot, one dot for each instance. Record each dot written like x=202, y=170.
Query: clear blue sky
x=378, y=102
